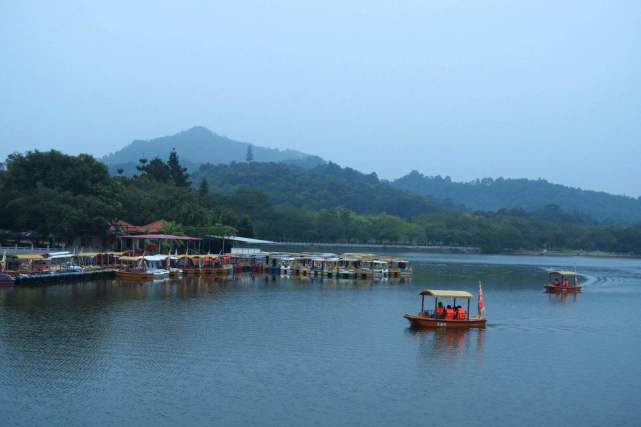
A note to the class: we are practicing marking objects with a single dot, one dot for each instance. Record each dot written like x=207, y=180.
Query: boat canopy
x=446, y=294
x=563, y=273
x=58, y=255
x=155, y=257
x=131, y=258
x=32, y=257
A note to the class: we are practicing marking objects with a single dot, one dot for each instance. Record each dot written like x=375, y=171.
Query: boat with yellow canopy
x=561, y=282
x=441, y=317
x=148, y=267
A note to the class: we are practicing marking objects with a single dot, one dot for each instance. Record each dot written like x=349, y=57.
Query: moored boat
x=6, y=280
x=143, y=267
x=441, y=317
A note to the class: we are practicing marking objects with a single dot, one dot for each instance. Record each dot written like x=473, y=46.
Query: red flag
x=481, y=307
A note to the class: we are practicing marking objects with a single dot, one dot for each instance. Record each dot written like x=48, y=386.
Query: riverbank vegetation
x=74, y=198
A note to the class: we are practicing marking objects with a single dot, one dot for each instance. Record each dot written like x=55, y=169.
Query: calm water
x=288, y=352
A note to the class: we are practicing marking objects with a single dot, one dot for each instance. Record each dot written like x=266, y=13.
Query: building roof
x=240, y=239
x=152, y=227
x=159, y=237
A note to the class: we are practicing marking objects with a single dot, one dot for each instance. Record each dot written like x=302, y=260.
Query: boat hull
x=421, y=322
x=7, y=281
x=552, y=289
x=140, y=275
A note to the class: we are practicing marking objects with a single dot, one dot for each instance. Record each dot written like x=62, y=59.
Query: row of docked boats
x=55, y=266
x=361, y=266
x=324, y=265
x=59, y=266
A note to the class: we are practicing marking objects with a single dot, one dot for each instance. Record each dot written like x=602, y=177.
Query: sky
x=467, y=89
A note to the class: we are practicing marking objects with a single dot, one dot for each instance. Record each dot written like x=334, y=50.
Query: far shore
x=469, y=250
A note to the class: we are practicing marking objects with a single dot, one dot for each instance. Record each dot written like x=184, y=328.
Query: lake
x=286, y=352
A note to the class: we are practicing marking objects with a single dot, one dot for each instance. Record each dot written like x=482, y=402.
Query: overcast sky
x=461, y=88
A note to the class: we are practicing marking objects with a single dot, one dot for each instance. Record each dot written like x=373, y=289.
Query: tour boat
x=562, y=282
x=428, y=319
x=143, y=267
x=399, y=268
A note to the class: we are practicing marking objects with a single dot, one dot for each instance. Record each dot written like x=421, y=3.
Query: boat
x=398, y=267
x=330, y=267
x=380, y=268
x=143, y=267
x=428, y=319
x=562, y=282
x=7, y=281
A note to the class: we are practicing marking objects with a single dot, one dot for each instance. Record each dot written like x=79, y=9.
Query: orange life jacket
x=460, y=313
x=440, y=311
x=449, y=314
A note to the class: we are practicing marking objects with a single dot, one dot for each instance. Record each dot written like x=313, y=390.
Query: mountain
x=199, y=145
x=530, y=195
x=321, y=187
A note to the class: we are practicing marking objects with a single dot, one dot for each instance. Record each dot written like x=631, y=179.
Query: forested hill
x=531, y=195
x=200, y=145
x=325, y=186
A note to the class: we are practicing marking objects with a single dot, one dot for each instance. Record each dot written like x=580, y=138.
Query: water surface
x=275, y=351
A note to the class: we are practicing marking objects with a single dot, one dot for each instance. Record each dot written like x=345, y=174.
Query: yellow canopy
x=446, y=294
x=32, y=257
x=564, y=273
x=130, y=258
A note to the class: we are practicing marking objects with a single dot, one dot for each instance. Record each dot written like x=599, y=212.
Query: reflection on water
x=563, y=298
x=447, y=343
x=205, y=350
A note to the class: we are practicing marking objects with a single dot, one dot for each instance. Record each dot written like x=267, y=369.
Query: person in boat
x=557, y=282
x=566, y=283
x=449, y=313
x=460, y=313
x=440, y=311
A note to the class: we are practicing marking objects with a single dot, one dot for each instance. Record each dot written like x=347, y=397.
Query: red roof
x=159, y=237
x=152, y=227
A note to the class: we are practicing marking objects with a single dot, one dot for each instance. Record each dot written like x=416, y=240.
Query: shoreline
x=459, y=250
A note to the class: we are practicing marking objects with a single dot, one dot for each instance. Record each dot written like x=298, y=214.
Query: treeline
x=75, y=199
x=322, y=187
x=491, y=194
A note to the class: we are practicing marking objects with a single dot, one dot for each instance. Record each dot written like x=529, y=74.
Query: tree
x=203, y=190
x=245, y=227
x=250, y=153
x=141, y=165
x=156, y=170
x=176, y=171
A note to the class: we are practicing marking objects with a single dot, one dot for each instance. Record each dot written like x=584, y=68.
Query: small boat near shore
x=562, y=282
x=443, y=318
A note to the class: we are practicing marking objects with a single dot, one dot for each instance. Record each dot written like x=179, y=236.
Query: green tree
x=156, y=170
x=203, y=189
x=245, y=227
x=177, y=172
